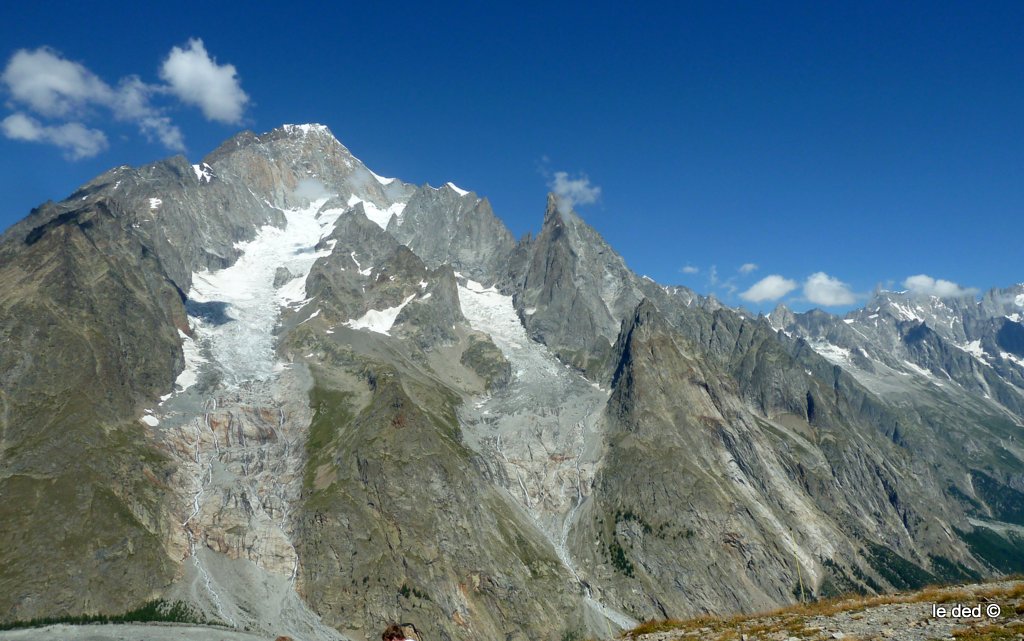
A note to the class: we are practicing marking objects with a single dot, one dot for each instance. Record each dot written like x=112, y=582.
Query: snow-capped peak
x=306, y=129
x=381, y=179
x=456, y=189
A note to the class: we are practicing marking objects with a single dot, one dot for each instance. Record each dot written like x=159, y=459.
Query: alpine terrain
x=296, y=398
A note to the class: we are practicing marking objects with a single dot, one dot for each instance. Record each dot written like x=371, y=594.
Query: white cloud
x=50, y=85
x=573, y=191
x=77, y=140
x=310, y=189
x=713, y=275
x=46, y=84
x=131, y=103
x=197, y=79
x=822, y=289
x=689, y=269
x=925, y=285
x=747, y=268
x=769, y=288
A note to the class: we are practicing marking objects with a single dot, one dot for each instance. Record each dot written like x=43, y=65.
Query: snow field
x=243, y=347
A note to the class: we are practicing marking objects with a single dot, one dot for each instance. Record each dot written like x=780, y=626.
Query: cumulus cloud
x=925, y=285
x=689, y=269
x=48, y=85
x=769, y=288
x=747, y=268
x=573, y=191
x=77, y=140
x=822, y=289
x=196, y=79
x=131, y=103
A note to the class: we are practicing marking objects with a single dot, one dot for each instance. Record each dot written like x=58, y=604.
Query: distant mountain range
x=303, y=399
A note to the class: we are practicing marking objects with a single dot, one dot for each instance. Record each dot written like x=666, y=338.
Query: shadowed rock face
x=487, y=439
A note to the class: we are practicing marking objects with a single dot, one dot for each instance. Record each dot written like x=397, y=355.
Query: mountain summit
x=295, y=397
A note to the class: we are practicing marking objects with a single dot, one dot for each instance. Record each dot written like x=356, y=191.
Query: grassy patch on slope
x=149, y=612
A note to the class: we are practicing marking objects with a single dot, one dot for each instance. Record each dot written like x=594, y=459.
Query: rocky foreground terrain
x=996, y=612
x=911, y=616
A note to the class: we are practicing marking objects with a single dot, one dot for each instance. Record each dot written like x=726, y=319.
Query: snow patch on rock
x=974, y=349
x=193, y=360
x=832, y=353
x=379, y=216
x=456, y=189
x=203, y=172
x=379, y=320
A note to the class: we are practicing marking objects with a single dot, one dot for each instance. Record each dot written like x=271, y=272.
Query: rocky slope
x=312, y=400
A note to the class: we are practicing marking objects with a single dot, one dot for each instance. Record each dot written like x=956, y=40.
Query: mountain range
x=304, y=399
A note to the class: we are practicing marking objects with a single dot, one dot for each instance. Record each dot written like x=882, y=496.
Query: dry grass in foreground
x=804, y=621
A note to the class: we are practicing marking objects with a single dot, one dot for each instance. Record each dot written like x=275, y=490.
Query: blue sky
x=835, y=148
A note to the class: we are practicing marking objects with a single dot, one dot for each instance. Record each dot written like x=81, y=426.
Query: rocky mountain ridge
x=307, y=399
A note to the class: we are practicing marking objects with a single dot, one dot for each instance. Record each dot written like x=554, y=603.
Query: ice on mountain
x=151, y=421
x=905, y=312
x=204, y=173
x=457, y=189
x=293, y=291
x=974, y=349
x=243, y=347
x=311, y=316
x=306, y=129
x=381, y=217
x=381, y=179
x=359, y=268
x=154, y=203
x=1013, y=358
x=919, y=370
x=832, y=353
x=379, y=320
x=193, y=360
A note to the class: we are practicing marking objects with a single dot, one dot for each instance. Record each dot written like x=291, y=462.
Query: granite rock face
x=308, y=400
x=574, y=290
x=447, y=226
